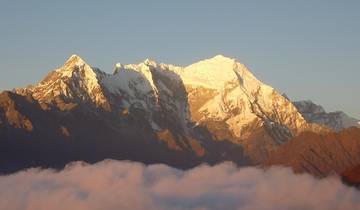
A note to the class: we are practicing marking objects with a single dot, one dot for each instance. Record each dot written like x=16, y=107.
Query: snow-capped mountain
x=213, y=110
x=316, y=114
x=217, y=89
x=220, y=94
x=75, y=81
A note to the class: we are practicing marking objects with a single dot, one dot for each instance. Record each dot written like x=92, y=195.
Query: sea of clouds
x=111, y=185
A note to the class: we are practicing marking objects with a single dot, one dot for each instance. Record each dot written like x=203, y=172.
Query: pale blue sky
x=308, y=49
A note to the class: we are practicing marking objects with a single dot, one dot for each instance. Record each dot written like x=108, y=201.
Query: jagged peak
x=305, y=102
x=72, y=63
x=150, y=62
x=74, y=79
x=74, y=56
x=118, y=65
x=73, y=60
x=135, y=67
x=309, y=105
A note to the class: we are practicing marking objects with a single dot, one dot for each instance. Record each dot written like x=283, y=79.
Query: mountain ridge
x=210, y=111
x=314, y=113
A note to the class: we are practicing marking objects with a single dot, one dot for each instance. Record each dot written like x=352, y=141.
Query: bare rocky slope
x=210, y=111
x=351, y=176
x=316, y=114
x=320, y=154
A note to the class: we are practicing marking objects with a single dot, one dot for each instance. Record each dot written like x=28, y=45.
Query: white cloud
x=128, y=185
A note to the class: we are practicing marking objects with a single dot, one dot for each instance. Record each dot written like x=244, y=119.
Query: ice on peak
x=215, y=72
x=118, y=65
x=222, y=58
x=150, y=62
x=74, y=58
x=72, y=62
x=75, y=63
x=74, y=78
x=218, y=60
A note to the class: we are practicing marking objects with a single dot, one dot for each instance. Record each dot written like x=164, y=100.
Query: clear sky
x=309, y=49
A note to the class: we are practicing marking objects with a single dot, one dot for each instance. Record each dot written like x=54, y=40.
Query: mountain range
x=211, y=111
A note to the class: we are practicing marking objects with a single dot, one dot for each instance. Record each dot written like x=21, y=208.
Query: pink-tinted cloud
x=128, y=185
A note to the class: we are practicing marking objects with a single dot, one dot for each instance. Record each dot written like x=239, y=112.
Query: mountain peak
x=75, y=79
x=215, y=72
x=74, y=56
x=308, y=106
x=149, y=62
x=314, y=113
x=74, y=60
x=221, y=59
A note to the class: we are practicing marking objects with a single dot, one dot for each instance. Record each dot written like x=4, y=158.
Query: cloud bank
x=127, y=185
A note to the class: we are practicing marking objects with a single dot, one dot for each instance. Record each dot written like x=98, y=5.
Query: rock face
x=316, y=114
x=351, y=176
x=210, y=111
x=318, y=154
